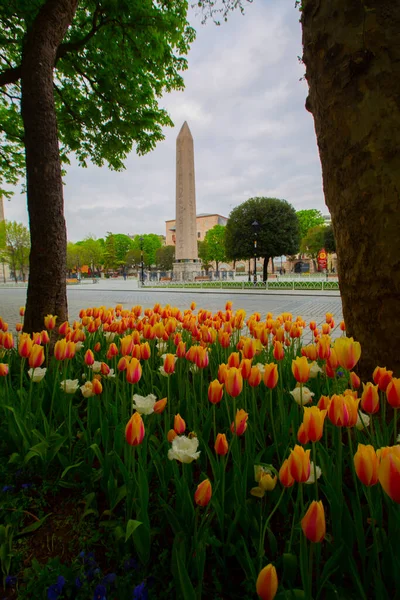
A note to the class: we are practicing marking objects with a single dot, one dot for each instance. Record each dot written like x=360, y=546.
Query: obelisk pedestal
x=187, y=263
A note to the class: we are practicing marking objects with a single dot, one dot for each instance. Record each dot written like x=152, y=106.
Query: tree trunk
x=352, y=57
x=265, y=268
x=47, y=284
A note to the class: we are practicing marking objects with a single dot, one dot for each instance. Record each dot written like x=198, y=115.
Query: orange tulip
x=134, y=431
x=382, y=377
x=181, y=349
x=285, y=477
x=245, y=367
x=249, y=348
x=133, y=371
x=301, y=369
x=8, y=341
x=201, y=359
x=112, y=351
x=70, y=350
x=279, y=352
x=233, y=382
x=366, y=464
x=215, y=391
x=324, y=402
x=202, y=495
x=370, y=398
x=299, y=464
x=221, y=446
x=169, y=363
x=159, y=406
x=267, y=583
x=323, y=346
x=254, y=379
x=302, y=435
x=50, y=322
x=348, y=352
x=97, y=388
x=313, y=421
x=3, y=369
x=89, y=358
x=313, y=325
x=24, y=345
x=313, y=522
x=63, y=329
x=123, y=363
x=104, y=369
x=171, y=435
x=389, y=471
x=343, y=410
x=393, y=393
x=126, y=345
x=239, y=426
x=355, y=380
x=60, y=349
x=179, y=424
x=36, y=356
x=234, y=360
x=222, y=372
x=271, y=375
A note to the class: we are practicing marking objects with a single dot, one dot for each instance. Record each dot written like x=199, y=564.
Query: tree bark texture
x=352, y=58
x=47, y=283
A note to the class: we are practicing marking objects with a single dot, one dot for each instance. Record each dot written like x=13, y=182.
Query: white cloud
x=244, y=103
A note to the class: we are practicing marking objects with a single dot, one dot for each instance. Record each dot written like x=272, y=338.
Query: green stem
x=374, y=534
x=273, y=425
x=264, y=531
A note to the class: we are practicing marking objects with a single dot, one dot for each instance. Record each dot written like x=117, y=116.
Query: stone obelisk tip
x=184, y=132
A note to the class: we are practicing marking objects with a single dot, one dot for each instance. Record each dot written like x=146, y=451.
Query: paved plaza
x=310, y=305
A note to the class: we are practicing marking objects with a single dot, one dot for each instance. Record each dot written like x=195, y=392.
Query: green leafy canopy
x=116, y=60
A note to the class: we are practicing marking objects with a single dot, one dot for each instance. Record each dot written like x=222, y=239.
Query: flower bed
x=161, y=454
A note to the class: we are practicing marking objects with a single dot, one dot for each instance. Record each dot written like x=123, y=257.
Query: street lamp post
x=255, y=226
x=141, y=261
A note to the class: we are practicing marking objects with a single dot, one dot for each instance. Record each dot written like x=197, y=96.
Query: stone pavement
x=311, y=305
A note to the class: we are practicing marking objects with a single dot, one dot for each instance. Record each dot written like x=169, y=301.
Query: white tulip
x=304, y=397
x=314, y=370
x=69, y=386
x=311, y=479
x=362, y=420
x=144, y=405
x=96, y=366
x=184, y=449
x=37, y=374
x=87, y=390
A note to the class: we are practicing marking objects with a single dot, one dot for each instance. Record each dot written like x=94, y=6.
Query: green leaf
x=184, y=584
x=131, y=526
x=75, y=466
x=34, y=526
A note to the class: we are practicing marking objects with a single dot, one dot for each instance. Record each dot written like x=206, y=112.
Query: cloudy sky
x=244, y=103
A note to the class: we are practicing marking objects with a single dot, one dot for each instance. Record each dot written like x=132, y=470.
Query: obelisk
x=186, y=263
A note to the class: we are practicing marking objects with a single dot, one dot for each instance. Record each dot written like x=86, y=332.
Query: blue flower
x=8, y=488
x=26, y=486
x=56, y=589
x=140, y=592
x=78, y=583
x=131, y=564
x=110, y=578
x=100, y=593
x=11, y=581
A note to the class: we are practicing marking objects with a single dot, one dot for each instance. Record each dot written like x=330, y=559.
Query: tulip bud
x=313, y=422
x=313, y=522
x=133, y=371
x=25, y=345
x=370, y=398
x=233, y=382
x=299, y=464
x=221, y=446
x=160, y=405
x=267, y=583
x=255, y=377
x=169, y=363
x=366, y=464
x=382, y=377
x=134, y=431
x=36, y=356
x=301, y=369
x=19, y=327
x=279, y=352
x=97, y=388
x=171, y=435
x=271, y=375
x=3, y=369
x=354, y=380
x=348, y=352
x=50, y=322
x=239, y=426
x=179, y=424
x=393, y=393
x=215, y=392
x=389, y=471
x=202, y=495
x=285, y=476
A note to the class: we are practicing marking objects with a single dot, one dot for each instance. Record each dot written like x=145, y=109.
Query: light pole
x=256, y=227
x=141, y=261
